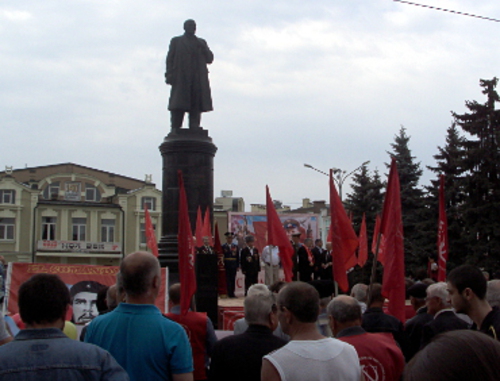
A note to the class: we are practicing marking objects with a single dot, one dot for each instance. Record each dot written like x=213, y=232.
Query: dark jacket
x=250, y=262
x=491, y=324
x=239, y=357
x=376, y=320
x=413, y=332
x=443, y=322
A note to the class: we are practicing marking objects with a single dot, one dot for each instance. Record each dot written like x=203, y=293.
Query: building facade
x=68, y=213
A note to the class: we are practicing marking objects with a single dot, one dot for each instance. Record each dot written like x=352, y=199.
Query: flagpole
x=374, y=270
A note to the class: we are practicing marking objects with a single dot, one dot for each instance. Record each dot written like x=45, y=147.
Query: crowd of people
x=290, y=332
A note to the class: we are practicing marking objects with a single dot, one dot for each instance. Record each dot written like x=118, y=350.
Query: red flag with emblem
x=442, y=233
x=276, y=236
x=391, y=228
x=186, y=250
x=150, y=233
x=363, y=243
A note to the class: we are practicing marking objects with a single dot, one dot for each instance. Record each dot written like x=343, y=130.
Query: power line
x=447, y=10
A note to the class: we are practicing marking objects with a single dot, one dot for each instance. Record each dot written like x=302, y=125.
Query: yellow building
x=68, y=213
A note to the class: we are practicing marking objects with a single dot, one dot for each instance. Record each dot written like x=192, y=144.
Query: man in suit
x=445, y=318
x=306, y=261
x=296, y=246
x=231, y=263
x=326, y=271
x=239, y=357
x=317, y=252
x=250, y=262
x=414, y=326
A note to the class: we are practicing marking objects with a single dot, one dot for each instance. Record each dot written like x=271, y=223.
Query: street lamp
x=341, y=175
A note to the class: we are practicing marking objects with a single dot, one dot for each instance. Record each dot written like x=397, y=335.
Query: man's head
x=437, y=298
x=360, y=292
x=140, y=276
x=493, y=292
x=296, y=238
x=343, y=312
x=298, y=303
x=250, y=240
x=417, y=294
x=43, y=299
x=260, y=307
x=206, y=241
x=328, y=246
x=465, y=284
x=229, y=237
x=318, y=242
x=111, y=297
x=309, y=243
x=376, y=298
x=190, y=27
x=174, y=294
x=84, y=300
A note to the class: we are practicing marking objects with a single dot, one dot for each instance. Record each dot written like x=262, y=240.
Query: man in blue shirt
x=149, y=346
x=42, y=351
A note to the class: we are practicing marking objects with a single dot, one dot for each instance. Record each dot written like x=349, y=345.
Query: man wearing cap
x=250, y=262
x=231, y=263
x=413, y=327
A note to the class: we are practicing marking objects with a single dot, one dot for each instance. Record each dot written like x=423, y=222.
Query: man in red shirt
x=380, y=357
x=199, y=329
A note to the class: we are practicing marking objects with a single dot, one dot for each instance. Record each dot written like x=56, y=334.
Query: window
x=7, y=228
x=92, y=193
x=150, y=202
x=51, y=191
x=7, y=196
x=79, y=229
x=107, y=230
x=143, y=239
x=49, y=228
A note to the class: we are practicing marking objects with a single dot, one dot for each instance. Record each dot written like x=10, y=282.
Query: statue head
x=190, y=27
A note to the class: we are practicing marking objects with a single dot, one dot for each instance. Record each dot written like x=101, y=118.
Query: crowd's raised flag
x=391, y=227
x=276, y=236
x=186, y=250
x=363, y=243
x=343, y=238
x=442, y=233
x=207, y=227
x=199, y=228
x=150, y=233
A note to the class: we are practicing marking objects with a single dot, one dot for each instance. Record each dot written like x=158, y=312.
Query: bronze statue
x=187, y=73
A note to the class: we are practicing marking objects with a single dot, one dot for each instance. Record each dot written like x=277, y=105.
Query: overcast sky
x=328, y=83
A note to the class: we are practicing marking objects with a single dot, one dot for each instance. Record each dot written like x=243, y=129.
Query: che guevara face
x=84, y=307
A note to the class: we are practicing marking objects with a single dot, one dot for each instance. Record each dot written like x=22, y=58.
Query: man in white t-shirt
x=309, y=355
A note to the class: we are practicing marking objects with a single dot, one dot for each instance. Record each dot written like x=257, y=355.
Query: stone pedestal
x=191, y=151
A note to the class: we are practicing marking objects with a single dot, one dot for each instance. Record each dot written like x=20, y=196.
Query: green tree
x=411, y=200
x=481, y=207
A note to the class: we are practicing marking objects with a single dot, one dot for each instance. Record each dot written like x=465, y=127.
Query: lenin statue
x=187, y=73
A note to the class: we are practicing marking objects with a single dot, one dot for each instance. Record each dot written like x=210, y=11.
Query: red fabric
x=276, y=236
x=195, y=325
x=376, y=232
x=207, y=227
x=344, y=239
x=379, y=355
x=391, y=227
x=442, y=234
x=221, y=278
x=150, y=233
x=310, y=256
x=363, y=243
x=186, y=251
x=199, y=229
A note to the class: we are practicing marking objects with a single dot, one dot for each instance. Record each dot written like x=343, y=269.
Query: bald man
x=140, y=338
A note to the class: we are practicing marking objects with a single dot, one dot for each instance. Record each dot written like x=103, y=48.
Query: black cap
x=418, y=290
x=229, y=234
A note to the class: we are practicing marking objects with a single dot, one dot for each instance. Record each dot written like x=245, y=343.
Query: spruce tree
x=481, y=163
x=411, y=200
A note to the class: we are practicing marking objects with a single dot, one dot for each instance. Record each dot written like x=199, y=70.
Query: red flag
x=207, y=227
x=186, y=250
x=363, y=243
x=391, y=227
x=442, y=233
x=199, y=229
x=150, y=233
x=220, y=262
x=276, y=236
x=344, y=239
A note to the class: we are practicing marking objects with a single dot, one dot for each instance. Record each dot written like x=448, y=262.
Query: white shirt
x=270, y=255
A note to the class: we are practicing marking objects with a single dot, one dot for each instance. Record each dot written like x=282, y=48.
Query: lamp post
x=340, y=175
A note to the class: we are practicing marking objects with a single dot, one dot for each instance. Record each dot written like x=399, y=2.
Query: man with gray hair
x=239, y=357
x=380, y=356
x=360, y=292
x=445, y=318
x=493, y=293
